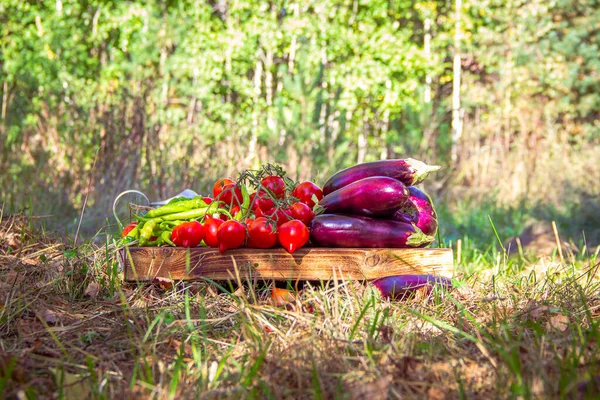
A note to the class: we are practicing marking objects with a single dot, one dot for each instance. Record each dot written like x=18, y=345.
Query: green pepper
x=166, y=238
x=245, y=204
x=126, y=240
x=146, y=232
x=177, y=199
x=169, y=225
x=135, y=232
x=191, y=214
x=177, y=207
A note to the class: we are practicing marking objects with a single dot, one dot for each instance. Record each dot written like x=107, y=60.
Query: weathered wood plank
x=147, y=263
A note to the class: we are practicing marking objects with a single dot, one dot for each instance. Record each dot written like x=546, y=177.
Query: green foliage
x=159, y=96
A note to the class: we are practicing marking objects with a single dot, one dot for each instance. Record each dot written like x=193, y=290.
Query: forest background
x=98, y=96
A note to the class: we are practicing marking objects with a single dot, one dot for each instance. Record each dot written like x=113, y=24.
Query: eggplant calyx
x=418, y=238
x=422, y=170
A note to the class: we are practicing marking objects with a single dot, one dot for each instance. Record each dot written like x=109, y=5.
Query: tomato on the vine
x=279, y=215
x=305, y=191
x=188, y=234
x=302, y=212
x=293, y=235
x=231, y=195
x=258, y=212
x=275, y=184
x=128, y=228
x=261, y=234
x=219, y=185
x=264, y=201
x=211, y=226
x=231, y=234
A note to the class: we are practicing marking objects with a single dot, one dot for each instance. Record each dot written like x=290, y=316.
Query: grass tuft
x=512, y=327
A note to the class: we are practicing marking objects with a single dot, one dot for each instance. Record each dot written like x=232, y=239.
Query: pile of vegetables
x=376, y=205
x=262, y=209
x=368, y=205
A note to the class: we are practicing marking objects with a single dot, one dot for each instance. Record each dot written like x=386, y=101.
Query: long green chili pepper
x=169, y=225
x=166, y=238
x=177, y=199
x=245, y=204
x=177, y=207
x=135, y=232
x=126, y=240
x=191, y=214
x=146, y=232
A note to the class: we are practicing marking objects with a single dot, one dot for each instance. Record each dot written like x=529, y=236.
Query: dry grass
x=70, y=329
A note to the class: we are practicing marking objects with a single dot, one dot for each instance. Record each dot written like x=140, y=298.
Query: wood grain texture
x=147, y=263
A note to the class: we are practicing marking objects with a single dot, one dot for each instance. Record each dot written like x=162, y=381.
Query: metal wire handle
x=114, y=208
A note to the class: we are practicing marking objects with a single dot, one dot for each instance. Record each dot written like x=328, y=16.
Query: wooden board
x=147, y=263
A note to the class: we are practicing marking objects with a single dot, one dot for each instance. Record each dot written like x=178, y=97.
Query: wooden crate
x=309, y=263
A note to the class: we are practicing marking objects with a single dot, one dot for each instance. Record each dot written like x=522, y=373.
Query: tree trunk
x=456, y=111
x=427, y=51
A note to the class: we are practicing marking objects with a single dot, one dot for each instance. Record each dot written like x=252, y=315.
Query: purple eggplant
x=408, y=171
x=335, y=230
x=419, y=211
x=377, y=196
x=399, y=286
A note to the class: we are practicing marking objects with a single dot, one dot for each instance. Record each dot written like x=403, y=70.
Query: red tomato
x=302, y=212
x=231, y=234
x=207, y=200
x=257, y=212
x=211, y=226
x=279, y=215
x=261, y=234
x=275, y=184
x=128, y=229
x=280, y=297
x=231, y=195
x=188, y=234
x=304, y=193
x=264, y=201
x=219, y=185
x=234, y=210
x=293, y=235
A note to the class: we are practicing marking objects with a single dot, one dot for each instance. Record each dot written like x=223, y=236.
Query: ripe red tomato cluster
x=278, y=214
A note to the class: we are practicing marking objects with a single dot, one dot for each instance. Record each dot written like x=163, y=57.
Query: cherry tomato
x=231, y=234
x=257, y=212
x=264, y=201
x=234, y=210
x=128, y=229
x=275, y=184
x=211, y=226
x=231, y=195
x=302, y=212
x=280, y=297
x=207, y=200
x=279, y=215
x=261, y=234
x=304, y=193
x=293, y=235
x=219, y=185
x=188, y=234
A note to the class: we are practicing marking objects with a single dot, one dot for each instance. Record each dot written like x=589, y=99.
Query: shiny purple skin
x=400, y=286
x=421, y=213
x=377, y=196
x=406, y=213
x=408, y=171
x=334, y=230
